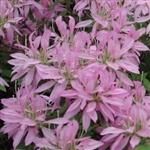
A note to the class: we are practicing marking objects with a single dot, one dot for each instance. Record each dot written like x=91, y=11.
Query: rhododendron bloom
x=26, y=112
x=22, y=112
x=60, y=140
x=5, y=8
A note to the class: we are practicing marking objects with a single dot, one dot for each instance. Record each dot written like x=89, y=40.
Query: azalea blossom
x=62, y=141
x=23, y=116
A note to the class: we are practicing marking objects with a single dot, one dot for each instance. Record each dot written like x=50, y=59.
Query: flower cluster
x=74, y=74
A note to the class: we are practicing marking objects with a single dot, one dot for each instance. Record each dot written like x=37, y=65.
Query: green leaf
x=142, y=147
x=2, y=88
x=143, y=141
x=138, y=77
x=1, y=135
x=63, y=108
x=30, y=14
x=55, y=4
x=6, y=72
x=137, y=25
x=23, y=147
x=146, y=84
x=69, y=2
x=63, y=13
x=135, y=77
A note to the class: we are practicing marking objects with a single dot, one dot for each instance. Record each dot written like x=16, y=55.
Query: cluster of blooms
x=74, y=74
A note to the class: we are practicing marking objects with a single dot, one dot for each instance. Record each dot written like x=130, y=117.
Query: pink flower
x=22, y=64
x=3, y=82
x=5, y=8
x=92, y=94
x=22, y=116
x=130, y=127
x=64, y=137
x=142, y=11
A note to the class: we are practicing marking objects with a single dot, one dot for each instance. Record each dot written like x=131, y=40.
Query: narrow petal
x=29, y=77
x=77, y=85
x=74, y=105
x=49, y=134
x=99, y=20
x=144, y=133
x=45, y=39
x=127, y=45
x=83, y=24
x=140, y=46
x=93, y=116
x=148, y=29
x=122, y=143
x=31, y=135
x=71, y=24
x=57, y=121
x=18, y=137
x=135, y=140
x=91, y=144
x=44, y=87
x=90, y=107
x=86, y=122
x=112, y=130
x=124, y=78
x=117, y=141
